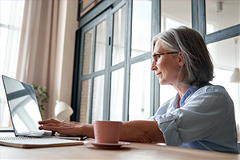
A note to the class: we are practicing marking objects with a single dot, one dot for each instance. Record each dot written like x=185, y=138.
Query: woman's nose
x=154, y=67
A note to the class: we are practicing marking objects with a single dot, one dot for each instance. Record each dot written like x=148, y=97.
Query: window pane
x=87, y=61
x=97, y=109
x=100, y=46
x=117, y=95
x=85, y=3
x=175, y=13
x=3, y=44
x=139, y=105
x=222, y=77
x=5, y=9
x=166, y=92
x=119, y=36
x=141, y=27
x=221, y=15
x=85, y=101
x=225, y=53
x=225, y=56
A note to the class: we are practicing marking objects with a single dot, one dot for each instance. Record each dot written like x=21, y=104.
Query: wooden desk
x=133, y=151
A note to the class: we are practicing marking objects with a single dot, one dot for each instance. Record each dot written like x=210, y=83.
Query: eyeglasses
x=157, y=56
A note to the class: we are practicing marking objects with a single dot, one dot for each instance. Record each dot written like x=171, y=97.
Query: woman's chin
x=161, y=82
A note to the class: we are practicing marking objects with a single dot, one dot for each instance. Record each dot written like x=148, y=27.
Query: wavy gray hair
x=198, y=68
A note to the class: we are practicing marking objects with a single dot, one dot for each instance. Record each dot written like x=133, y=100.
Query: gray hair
x=198, y=68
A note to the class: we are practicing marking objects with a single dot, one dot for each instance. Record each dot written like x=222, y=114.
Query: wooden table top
x=132, y=151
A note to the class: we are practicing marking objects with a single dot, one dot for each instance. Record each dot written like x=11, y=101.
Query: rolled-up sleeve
x=168, y=125
x=199, y=118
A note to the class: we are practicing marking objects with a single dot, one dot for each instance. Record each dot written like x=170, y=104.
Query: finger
x=45, y=121
x=48, y=121
x=52, y=124
x=49, y=128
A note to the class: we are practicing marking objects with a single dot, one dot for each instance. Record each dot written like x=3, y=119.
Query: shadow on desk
x=120, y=149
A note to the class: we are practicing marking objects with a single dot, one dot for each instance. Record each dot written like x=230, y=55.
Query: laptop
x=25, y=114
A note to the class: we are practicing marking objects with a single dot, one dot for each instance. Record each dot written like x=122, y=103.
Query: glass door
x=93, y=63
x=114, y=71
x=102, y=66
x=118, y=50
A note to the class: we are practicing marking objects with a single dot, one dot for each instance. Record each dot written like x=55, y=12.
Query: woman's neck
x=181, y=89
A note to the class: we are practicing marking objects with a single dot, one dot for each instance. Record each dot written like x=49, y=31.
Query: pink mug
x=107, y=131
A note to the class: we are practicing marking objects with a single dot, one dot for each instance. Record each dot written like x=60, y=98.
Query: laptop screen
x=23, y=106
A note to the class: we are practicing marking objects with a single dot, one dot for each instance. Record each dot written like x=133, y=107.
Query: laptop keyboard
x=22, y=138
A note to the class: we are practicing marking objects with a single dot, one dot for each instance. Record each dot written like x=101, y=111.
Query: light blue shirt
x=204, y=121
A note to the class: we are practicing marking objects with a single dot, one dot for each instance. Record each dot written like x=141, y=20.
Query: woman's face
x=167, y=67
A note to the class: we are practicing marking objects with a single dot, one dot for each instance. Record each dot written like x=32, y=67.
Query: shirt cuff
x=168, y=125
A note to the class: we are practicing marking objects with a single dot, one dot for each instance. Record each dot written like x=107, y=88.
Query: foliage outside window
x=42, y=98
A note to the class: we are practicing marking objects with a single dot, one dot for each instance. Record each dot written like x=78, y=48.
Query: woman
x=200, y=116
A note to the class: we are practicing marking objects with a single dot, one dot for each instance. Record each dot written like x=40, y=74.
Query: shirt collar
x=189, y=92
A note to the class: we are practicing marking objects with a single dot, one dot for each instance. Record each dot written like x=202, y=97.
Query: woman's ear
x=181, y=60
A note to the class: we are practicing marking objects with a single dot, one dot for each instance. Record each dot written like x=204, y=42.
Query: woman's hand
x=134, y=131
x=67, y=128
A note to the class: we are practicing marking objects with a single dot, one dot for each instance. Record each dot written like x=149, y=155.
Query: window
x=130, y=90
x=141, y=27
x=175, y=13
x=140, y=73
x=223, y=30
x=86, y=5
x=10, y=31
x=222, y=14
x=116, y=109
x=224, y=65
x=105, y=73
x=11, y=13
x=118, y=57
x=172, y=15
x=139, y=104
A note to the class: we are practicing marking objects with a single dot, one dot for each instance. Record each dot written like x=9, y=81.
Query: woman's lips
x=158, y=73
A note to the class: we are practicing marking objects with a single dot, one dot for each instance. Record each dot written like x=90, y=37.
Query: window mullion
x=4, y=25
x=199, y=16
x=75, y=84
x=91, y=101
x=223, y=34
x=92, y=79
x=155, y=86
x=107, y=78
x=126, y=90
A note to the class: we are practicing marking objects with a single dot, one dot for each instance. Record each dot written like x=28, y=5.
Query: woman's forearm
x=134, y=131
x=141, y=131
